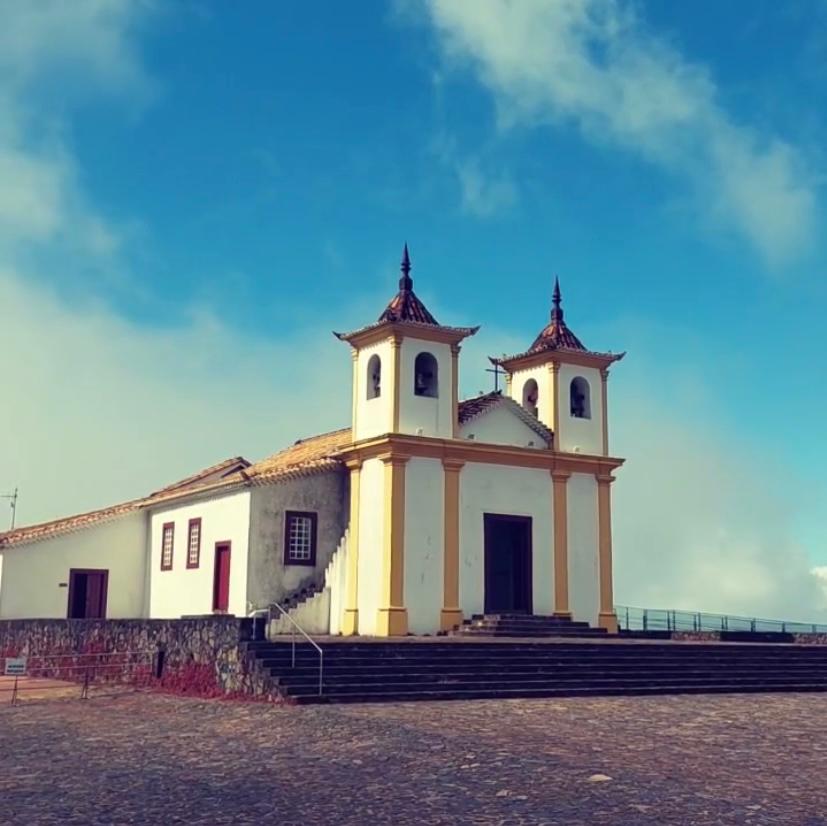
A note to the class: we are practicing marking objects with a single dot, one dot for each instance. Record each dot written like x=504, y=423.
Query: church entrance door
x=507, y=563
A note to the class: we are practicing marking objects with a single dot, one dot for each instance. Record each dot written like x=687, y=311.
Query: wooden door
x=508, y=582
x=87, y=593
x=221, y=579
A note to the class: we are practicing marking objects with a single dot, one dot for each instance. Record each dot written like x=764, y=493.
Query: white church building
x=425, y=511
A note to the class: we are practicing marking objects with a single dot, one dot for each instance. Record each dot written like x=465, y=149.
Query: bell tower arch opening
x=426, y=376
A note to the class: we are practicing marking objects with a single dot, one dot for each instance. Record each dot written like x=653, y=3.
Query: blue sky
x=193, y=195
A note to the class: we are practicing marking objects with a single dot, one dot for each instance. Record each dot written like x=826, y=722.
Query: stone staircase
x=458, y=669
x=317, y=605
x=524, y=625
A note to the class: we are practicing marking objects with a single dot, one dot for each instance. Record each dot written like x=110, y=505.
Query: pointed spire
x=406, y=282
x=556, y=300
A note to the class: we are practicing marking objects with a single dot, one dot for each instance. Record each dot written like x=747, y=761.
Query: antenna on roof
x=12, y=497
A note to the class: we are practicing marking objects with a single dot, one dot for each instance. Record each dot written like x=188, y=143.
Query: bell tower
x=564, y=384
x=405, y=368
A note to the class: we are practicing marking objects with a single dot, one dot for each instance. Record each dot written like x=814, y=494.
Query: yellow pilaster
x=392, y=618
x=451, y=613
x=455, y=348
x=508, y=385
x=560, y=512
x=350, y=620
x=396, y=360
x=355, y=355
x=607, y=618
x=554, y=371
x=604, y=406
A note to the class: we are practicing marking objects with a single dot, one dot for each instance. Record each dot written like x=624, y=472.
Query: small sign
x=15, y=667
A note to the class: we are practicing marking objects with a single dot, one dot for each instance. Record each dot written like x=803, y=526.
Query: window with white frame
x=167, y=540
x=194, y=543
x=299, y=538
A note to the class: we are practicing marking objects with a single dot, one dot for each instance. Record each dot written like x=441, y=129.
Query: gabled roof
x=214, y=473
x=218, y=475
x=304, y=456
x=46, y=530
x=470, y=409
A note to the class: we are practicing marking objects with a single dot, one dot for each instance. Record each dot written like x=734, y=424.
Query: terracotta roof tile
x=213, y=473
x=313, y=453
x=46, y=530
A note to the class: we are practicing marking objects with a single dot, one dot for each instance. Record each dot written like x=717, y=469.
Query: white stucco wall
x=424, y=538
x=584, y=593
x=185, y=591
x=433, y=415
x=488, y=488
x=542, y=375
x=501, y=427
x=373, y=416
x=36, y=575
x=585, y=434
x=371, y=526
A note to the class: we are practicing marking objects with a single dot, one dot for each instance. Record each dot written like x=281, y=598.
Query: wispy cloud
x=484, y=194
x=596, y=64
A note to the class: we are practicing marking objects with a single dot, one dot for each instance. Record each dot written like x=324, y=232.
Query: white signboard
x=15, y=667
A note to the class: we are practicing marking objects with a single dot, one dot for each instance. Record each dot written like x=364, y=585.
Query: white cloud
x=484, y=195
x=91, y=39
x=97, y=410
x=594, y=63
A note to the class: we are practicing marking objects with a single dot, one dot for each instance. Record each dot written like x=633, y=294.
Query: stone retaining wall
x=203, y=656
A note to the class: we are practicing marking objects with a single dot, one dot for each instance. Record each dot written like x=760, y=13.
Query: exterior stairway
x=457, y=669
x=524, y=625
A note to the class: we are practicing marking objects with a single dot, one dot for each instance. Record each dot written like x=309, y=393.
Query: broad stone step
x=504, y=694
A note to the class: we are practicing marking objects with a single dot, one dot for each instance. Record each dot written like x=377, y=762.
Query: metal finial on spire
x=556, y=300
x=406, y=282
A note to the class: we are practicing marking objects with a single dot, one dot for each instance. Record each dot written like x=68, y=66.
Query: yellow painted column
x=508, y=386
x=396, y=360
x=604, y=377
x=451, y=613
x=554, y=369
x=355, y=354
x=607, y=618
x=455, y=348
x=350, y=620
x=560, y=512
x=392, y=618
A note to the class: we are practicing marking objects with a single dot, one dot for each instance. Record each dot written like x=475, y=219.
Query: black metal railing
x=667, y=619
x=60, y=672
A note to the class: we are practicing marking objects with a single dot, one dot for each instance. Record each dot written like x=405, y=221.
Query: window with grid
x=166, y=546
x=300, y=538
x=194, y=543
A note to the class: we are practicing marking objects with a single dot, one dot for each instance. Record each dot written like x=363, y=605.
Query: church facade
x=425, y=511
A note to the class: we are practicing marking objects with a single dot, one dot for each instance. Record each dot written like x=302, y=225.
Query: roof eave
x=563, y=355
x=400, y=329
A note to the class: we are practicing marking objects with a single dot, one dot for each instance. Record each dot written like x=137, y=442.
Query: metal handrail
x=297, y=627
x=669, y=619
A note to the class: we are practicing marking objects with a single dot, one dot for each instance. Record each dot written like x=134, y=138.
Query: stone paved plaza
x=143, y=758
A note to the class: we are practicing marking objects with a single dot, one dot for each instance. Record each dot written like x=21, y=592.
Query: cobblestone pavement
x=142, y=758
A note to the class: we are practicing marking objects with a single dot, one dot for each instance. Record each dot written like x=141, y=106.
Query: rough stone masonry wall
x=201, y=656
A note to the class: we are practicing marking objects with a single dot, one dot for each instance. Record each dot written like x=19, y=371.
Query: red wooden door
x=221, y=579
x=87, y=593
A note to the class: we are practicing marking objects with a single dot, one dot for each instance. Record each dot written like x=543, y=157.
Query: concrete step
x=632, y=689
